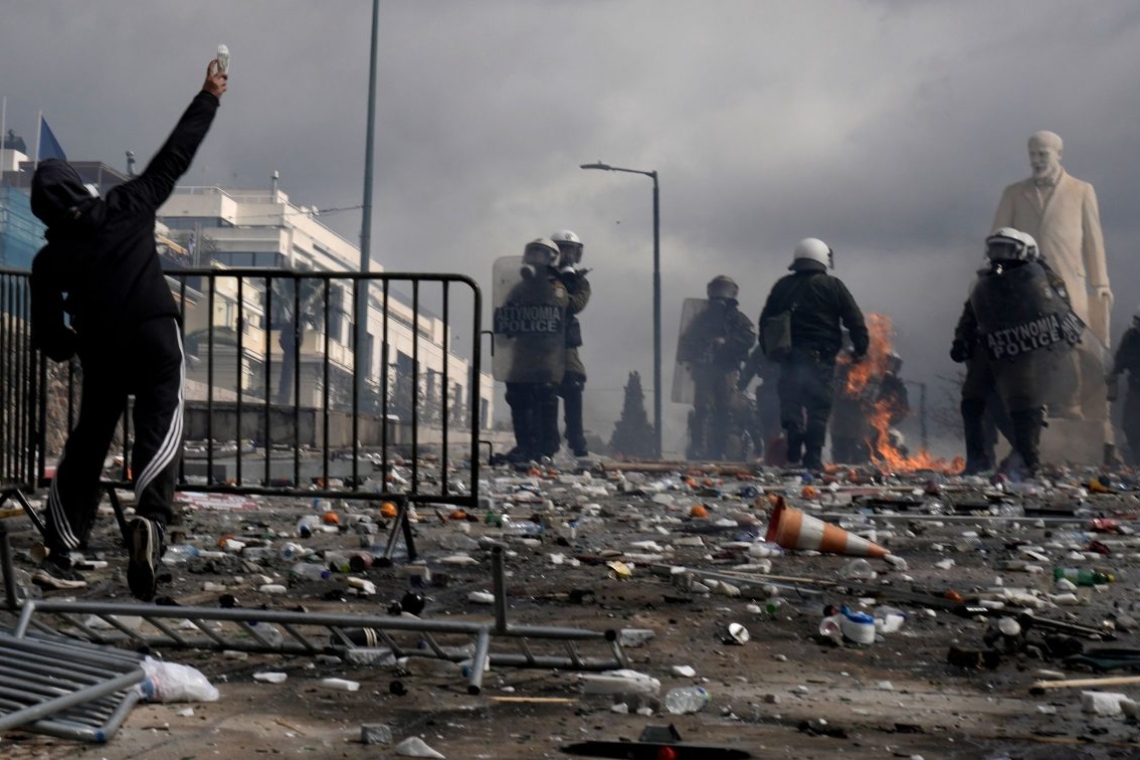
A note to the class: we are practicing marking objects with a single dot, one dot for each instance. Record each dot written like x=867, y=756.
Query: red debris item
x=1099, y=548
x=1105, y=525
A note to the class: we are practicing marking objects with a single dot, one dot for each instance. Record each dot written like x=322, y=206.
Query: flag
x=48, y=146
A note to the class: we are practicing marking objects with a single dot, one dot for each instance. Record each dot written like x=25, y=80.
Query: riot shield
x=693, y=348
x=1023, y=320
x=529, y=323
x=1020, y=312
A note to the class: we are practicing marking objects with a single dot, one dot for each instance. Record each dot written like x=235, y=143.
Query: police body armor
x=529, y=322
x=1020, y=314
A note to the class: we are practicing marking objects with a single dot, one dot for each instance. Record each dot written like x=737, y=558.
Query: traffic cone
x=792, y=529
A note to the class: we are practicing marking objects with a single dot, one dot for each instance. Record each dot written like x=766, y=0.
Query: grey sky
x=886, y=128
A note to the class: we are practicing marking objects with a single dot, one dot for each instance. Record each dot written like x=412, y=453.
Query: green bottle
x=1083, y=577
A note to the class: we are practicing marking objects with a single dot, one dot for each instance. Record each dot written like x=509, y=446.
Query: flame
x=859, y=383
x=875, y=365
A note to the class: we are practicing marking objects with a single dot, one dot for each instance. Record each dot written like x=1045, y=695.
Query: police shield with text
x=1015, y=330
x=529, y=323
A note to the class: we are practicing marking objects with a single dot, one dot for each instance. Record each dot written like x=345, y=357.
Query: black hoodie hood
x=59, y=197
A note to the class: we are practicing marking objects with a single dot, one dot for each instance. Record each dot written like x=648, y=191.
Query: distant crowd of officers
x=1015, y=330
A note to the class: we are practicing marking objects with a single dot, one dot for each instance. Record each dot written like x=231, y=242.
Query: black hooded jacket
x=100, y=264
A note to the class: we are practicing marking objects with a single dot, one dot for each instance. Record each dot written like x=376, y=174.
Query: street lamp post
x=360, y=309
x=656, y=292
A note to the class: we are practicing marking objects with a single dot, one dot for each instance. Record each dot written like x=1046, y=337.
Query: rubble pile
x=757, y=607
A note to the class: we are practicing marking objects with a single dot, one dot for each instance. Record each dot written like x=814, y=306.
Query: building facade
x=221, y=229
x=261, y=229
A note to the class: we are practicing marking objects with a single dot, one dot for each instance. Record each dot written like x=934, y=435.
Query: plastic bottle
x=308, y=571
x=857, y=570
x=338, y=562
x=1082, y=576
x=307, y=525
x=686, y=699
x=522, y=528
x=179, y=553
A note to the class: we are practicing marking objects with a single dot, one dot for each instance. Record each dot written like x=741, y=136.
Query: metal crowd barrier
x=277, y=353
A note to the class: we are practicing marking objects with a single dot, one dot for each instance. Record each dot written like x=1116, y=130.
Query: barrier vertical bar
x=384, y=385
x=476, y=380
x=182, y=323
x=415, y=385
x=325, y=386
x=296, y=381
x=269, y=325
x=7, y=313
x=356, y=285
x=240, y=371
x=212, y=280
x=445, y=417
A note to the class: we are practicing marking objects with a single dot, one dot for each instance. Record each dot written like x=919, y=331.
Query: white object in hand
x=223, y=59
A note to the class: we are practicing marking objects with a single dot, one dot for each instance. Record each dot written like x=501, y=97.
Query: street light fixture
x=656, y=291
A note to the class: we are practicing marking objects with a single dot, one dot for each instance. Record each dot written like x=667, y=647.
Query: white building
x=230, y=229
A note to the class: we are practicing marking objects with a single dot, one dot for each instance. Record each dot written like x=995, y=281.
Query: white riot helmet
x=570, y=245
x=722, y=286
x=812, y=249
x=540, y=252
x=1008, y=245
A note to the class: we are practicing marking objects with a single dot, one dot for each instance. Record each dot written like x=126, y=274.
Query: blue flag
x=49, y=146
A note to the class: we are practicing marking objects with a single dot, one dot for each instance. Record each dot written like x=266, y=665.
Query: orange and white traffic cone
x=792, y=529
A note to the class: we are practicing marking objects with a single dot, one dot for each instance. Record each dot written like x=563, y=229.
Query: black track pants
x=150, y=365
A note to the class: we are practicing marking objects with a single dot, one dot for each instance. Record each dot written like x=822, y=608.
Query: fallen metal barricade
x=65, y=688
x=309, y=633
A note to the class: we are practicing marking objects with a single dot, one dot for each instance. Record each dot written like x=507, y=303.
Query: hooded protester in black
x=98, y=291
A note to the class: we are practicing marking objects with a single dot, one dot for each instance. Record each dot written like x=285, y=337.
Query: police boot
x=795, y=439
x=548, y=441
x=973, y=422
x=1027, y=438
x=522, y=420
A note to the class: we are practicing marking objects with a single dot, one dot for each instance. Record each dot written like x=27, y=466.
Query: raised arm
x=151, y=189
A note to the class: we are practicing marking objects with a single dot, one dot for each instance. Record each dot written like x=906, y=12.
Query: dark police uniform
x=715, y=344
x=1127, y=359
x=819, y=304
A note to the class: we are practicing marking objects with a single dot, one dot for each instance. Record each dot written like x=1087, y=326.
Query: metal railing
x=299, y=411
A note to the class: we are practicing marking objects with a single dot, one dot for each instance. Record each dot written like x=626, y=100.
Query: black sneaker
x=56, y=574
x=145, y=547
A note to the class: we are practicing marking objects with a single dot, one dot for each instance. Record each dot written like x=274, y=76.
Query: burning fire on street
x=863, y=381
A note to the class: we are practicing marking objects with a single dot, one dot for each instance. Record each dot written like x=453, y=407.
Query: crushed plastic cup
x=857, y=570
x=829, y=628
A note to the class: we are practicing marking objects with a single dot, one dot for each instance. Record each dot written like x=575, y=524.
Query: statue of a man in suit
x=1061, y=212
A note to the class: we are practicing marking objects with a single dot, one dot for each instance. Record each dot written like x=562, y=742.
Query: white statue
x=1061, y=212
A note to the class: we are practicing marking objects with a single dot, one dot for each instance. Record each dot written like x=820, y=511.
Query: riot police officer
x=713, y=346
x=574, y=379
x=1015, y=331
x=800, y=327
x=529, y=325
x=1127, y=359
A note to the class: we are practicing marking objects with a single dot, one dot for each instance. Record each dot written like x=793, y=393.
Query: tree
x=297, y=303
x=633, y=435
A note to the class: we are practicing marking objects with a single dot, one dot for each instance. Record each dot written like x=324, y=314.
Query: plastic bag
x=172, y=682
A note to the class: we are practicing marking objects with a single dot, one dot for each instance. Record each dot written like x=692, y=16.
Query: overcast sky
x=887, y=128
